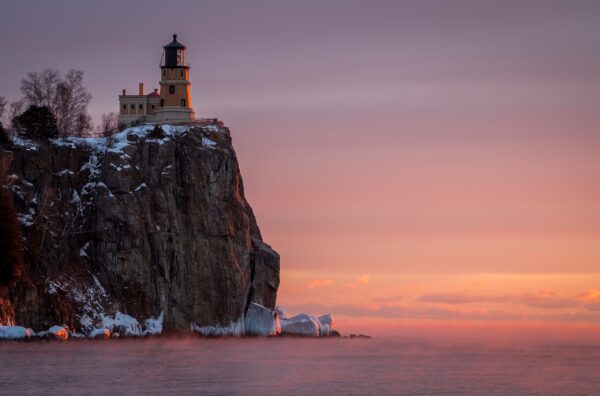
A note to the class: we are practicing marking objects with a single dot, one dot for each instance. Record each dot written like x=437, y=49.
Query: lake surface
x=289, y=366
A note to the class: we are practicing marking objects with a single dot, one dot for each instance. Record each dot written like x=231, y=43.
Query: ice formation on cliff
x=261, y=321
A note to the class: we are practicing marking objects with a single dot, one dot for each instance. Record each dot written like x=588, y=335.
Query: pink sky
x=414, y=161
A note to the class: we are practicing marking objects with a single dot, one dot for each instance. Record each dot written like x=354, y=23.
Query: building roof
x=154, y=93
x=174, y=44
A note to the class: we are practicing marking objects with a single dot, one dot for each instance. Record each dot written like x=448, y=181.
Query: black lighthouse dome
x=174, y=54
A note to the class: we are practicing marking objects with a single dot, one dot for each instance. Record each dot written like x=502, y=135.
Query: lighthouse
x=173, y=102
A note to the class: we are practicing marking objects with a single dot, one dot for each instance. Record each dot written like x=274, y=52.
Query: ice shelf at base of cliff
x=258, y=321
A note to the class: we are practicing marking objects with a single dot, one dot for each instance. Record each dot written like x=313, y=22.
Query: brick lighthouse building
x=173, y=103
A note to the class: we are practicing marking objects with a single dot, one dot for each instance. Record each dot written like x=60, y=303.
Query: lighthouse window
x=164, y=73
x=182, y=102
x=181, y=72
x=171, y=89
x=162, y=102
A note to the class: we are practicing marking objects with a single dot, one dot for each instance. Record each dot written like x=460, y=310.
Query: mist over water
x=291, y=366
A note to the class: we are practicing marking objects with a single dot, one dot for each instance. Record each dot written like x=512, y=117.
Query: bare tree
x=72, y=102
x=3, y=104
x=83, y=125
x=66, y=97
x=41, y=89
x=15, y=109
x=108, y=124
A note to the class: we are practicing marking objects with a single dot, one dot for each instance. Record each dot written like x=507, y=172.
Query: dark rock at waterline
x=138, y=224
x=358, y=336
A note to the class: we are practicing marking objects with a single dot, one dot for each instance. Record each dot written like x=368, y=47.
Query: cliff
x=146, y=230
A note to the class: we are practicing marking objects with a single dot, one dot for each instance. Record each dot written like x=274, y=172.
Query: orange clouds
x=589, y=300
x=319, y=282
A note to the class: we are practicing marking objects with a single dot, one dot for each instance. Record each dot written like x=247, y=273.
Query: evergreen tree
x=37, y=122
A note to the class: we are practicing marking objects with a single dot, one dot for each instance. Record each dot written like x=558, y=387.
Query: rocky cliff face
x=147, y=228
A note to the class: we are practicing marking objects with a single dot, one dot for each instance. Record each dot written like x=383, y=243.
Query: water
x=287, y=366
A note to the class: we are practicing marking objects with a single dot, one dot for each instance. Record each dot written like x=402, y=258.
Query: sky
x=411, y=161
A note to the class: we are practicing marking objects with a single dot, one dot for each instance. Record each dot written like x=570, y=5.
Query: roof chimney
x=124, y=92
x=141, y=89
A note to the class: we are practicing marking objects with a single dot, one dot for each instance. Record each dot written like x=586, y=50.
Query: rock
x=301, y=325
x=261, y=321
x=145, y=226
x=59, y=332
x=359, y=336
x=334, y=333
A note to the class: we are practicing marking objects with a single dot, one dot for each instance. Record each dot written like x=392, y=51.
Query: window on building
x=132, y=106
x=162, y=102
x=182, y=102
x=141, y=107
x=152, y=107
x=181, y=72
x=164, y=73
x=171, y=89
x=124, y=107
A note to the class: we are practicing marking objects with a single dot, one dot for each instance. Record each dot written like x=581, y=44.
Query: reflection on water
x=291, y=366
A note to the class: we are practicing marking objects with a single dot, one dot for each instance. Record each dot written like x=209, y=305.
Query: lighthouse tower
x=175, y=104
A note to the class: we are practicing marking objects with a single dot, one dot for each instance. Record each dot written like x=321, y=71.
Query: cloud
x=461, y=298
x=404, y=312
x=319, y=282
x=590, y=300
x=363, y=279
x=387, y=300
x=546, y=300
x=432, y=312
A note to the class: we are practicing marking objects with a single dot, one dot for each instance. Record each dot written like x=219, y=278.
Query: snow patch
x=28, y=145
x=208, y=143
x=83, y=253
x=75, y=198
x=235, y=328
x=154, y=326
x=92, y=165
x=118, y=168
x=65, y=172
x=126, y=325
x=211, y=128
x=26, y=218
x=89, y=187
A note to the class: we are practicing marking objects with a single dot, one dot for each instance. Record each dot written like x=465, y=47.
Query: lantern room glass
x=180, y=57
